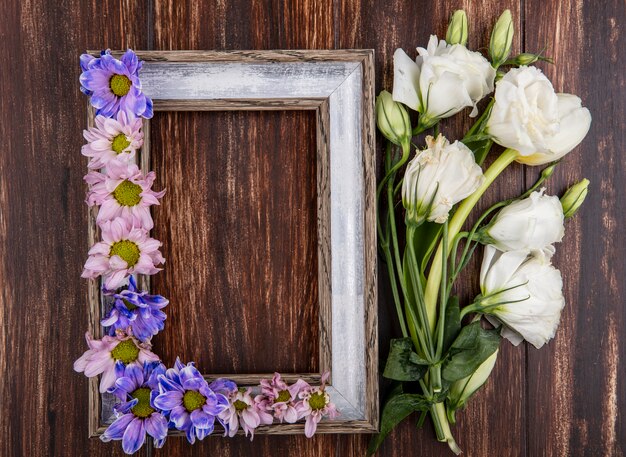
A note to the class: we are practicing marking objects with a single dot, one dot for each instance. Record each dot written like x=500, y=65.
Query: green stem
x=394, y=291
x=406, y=149
x=418, y=291
x=442, y=426
x=456, y=223
x=387, y=252
x=442, y=294
x=478, y=124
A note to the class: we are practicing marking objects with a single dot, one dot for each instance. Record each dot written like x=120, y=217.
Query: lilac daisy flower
x=244, y=411
x=315, y=405
x=136, y=415
x=123, y=191
x=281, y=399
x=112, y=139
x=114, y=84
x=189, y=401
x=110, y=354
x=138, y=310
x=124, y=250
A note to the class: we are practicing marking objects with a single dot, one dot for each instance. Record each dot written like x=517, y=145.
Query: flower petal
x=169, y=400
x=116, y=430
x=134, y=436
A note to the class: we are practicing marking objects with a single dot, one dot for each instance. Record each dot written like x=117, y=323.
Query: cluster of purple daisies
x=153, y=399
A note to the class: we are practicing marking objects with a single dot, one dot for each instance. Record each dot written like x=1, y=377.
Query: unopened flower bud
x=574, y=197
x=527, y=58
x=457, y=30
x=548, y=171
x=392, y=119
x=463, y=389
x=501, y=39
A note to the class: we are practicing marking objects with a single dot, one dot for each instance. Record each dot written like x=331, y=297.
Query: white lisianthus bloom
x=531, y=118
x=443, y=79
x=532, y=224
x=522, y=292
x=437, y=178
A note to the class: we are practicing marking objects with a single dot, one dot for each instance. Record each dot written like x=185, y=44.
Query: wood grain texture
x=577, y=384
x=43, y=308
x=266, y=298
x=565, y=400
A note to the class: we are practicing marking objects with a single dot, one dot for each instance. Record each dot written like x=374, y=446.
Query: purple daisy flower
x=114, y=84
x=137, y=310
x=191, y=403
x=137, y=415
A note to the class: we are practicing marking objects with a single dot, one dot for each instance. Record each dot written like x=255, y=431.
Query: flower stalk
x=456, y=223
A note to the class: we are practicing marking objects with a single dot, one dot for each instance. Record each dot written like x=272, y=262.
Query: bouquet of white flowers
x=447, y=352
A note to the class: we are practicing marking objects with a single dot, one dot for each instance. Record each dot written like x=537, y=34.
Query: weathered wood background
x=563, y=400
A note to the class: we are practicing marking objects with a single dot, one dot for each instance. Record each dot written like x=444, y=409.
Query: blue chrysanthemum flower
x=192, y=405
x=114, y=85
x=137, y=310
x=136, y=415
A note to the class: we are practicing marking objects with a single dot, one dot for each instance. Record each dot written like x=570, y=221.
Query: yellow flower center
x=283, y=396
x=120, y=85
x=119, y=143
x=240, y=405
x=125, y=352
x=127, y=250
x=142, y=408
x=129, y=305
x=193, y=400
x=127, y=193
x=317, y=401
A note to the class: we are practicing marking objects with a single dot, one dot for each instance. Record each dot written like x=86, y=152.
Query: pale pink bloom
x=315, y=405
x=123, y=191
x=103, y=354
x=124, y=250
x=245, y=411
x=280, y=399
x=112, y=140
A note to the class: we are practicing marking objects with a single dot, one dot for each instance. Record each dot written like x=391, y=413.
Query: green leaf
x=403, y=364
x=470, y=349
x=397, y=408
x=452, y=325
x=426, y=238
x=480, y=149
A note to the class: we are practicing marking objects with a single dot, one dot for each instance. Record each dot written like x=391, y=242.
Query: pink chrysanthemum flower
x=315, y=405
x=123, y=191
x=112, y=140
x=245, y=411
x=280, y=399
x=124, y=250
x=112, y=353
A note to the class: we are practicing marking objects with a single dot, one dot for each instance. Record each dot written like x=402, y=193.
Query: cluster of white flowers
x=521, y=291
x=520, y=288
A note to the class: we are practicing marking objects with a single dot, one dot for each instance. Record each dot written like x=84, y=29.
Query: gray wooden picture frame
x=339, y=86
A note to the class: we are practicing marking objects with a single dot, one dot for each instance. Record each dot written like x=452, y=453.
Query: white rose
x=443, y=79
x=531, y=224
x=522, y=292
x=531, y=118
x=437, y=178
